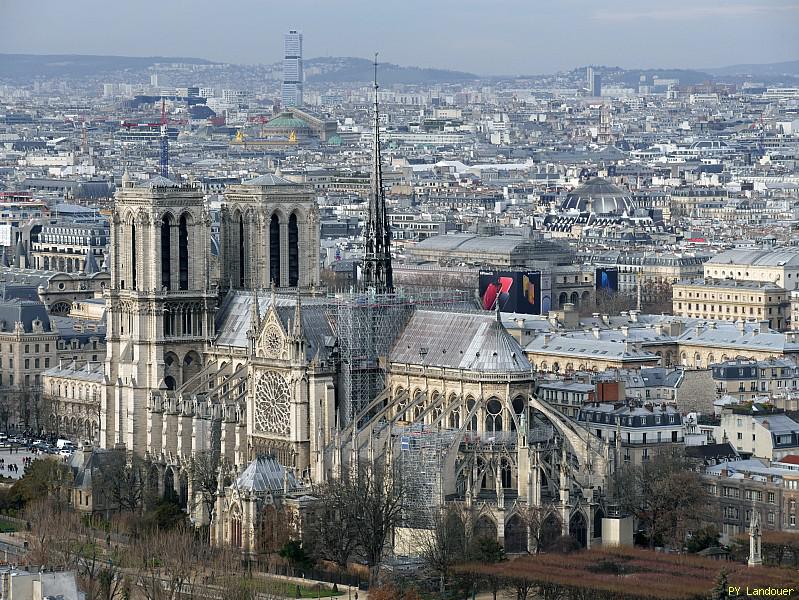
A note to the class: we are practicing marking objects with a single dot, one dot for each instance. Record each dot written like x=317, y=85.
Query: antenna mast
x=164, y=142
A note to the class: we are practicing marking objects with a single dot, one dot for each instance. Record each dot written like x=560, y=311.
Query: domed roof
x=599, y=196
x=286, y=122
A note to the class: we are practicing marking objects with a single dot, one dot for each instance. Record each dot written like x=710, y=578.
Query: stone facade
x=269, y=234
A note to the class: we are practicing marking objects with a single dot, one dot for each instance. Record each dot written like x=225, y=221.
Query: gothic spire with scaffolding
x=376, y=270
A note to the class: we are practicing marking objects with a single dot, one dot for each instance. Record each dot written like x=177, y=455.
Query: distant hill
x=780, y=69
x=631, y=77
x=331, y=69
x=24, y=68
x=75, y=66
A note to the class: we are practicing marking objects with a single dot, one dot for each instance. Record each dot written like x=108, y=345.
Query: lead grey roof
x=599, y=196
x=269, y=179
x=475, y=342
x=473, y=242
x=234, y=319
x=25, y=312
x=265, y=474
x=771, y=257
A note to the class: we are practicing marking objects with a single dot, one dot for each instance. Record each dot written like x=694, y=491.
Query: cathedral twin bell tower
x=160, y=305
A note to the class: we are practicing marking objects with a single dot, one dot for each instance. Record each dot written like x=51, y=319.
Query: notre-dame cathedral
x=261, y=368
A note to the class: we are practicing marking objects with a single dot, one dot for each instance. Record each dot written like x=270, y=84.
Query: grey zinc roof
x=770, y=257
x=269, y=179
x=573, y=347
x=476, y=342
x=778, y=424
x=89, y=372
x=265, y=474
x=473, y=242
x=601, y=195
x=25, y=312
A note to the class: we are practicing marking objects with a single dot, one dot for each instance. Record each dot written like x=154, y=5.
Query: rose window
x=272, y=403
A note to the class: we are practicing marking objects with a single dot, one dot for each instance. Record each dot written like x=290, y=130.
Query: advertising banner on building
x=607, y=279
x=513, y=291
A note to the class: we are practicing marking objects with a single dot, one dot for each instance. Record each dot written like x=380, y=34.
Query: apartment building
x=763, y=431
x=730, y=300
x=741, y=486
x=747, y=380
x=645, y=429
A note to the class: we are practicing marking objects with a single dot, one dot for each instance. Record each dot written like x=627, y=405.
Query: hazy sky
x=482, y=36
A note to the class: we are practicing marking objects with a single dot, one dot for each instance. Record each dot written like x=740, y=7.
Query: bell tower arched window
x=183, y=252
x=166, y=252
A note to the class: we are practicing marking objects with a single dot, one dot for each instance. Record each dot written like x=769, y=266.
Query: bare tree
x=330, y=530
x=543, y=525
x=447, y=543
x=358, y=513
x=612, y=303
x=378, y=500
x=204, y=472
x=53, y=537
x=124, y=482
x=169, y=565
x=664, y=494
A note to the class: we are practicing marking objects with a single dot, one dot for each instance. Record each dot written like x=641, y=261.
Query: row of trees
x=173, y=563
x=655, y=298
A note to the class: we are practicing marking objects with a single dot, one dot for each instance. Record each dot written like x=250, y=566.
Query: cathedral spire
x=377, y=271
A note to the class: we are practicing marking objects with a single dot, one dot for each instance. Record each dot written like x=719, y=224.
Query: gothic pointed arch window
x=274, y=249
x=294, y=251
x=132, y=257
x=235, y=526
x=183, y=252
x=493, y=420
x=166, y=251
x=241, y=249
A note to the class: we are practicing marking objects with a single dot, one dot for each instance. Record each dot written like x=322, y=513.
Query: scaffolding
x=422, y=454
x=367, y=324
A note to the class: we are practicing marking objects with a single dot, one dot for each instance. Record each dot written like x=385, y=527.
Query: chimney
x=547, y=338
x=595, y=331
x=625, y=331
x=606, y=319
x=740, y=325
x=764, y=326
x=634, y=315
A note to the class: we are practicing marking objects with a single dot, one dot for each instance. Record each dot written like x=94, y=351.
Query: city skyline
x=539, y=39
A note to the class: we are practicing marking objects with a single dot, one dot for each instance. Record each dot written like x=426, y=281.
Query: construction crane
x=164, y=142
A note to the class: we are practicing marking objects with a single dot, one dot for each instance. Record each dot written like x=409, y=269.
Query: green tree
x=293, y=552
x=721, y=589
x=704, y=537
x=486, y=550
x=43, y=478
